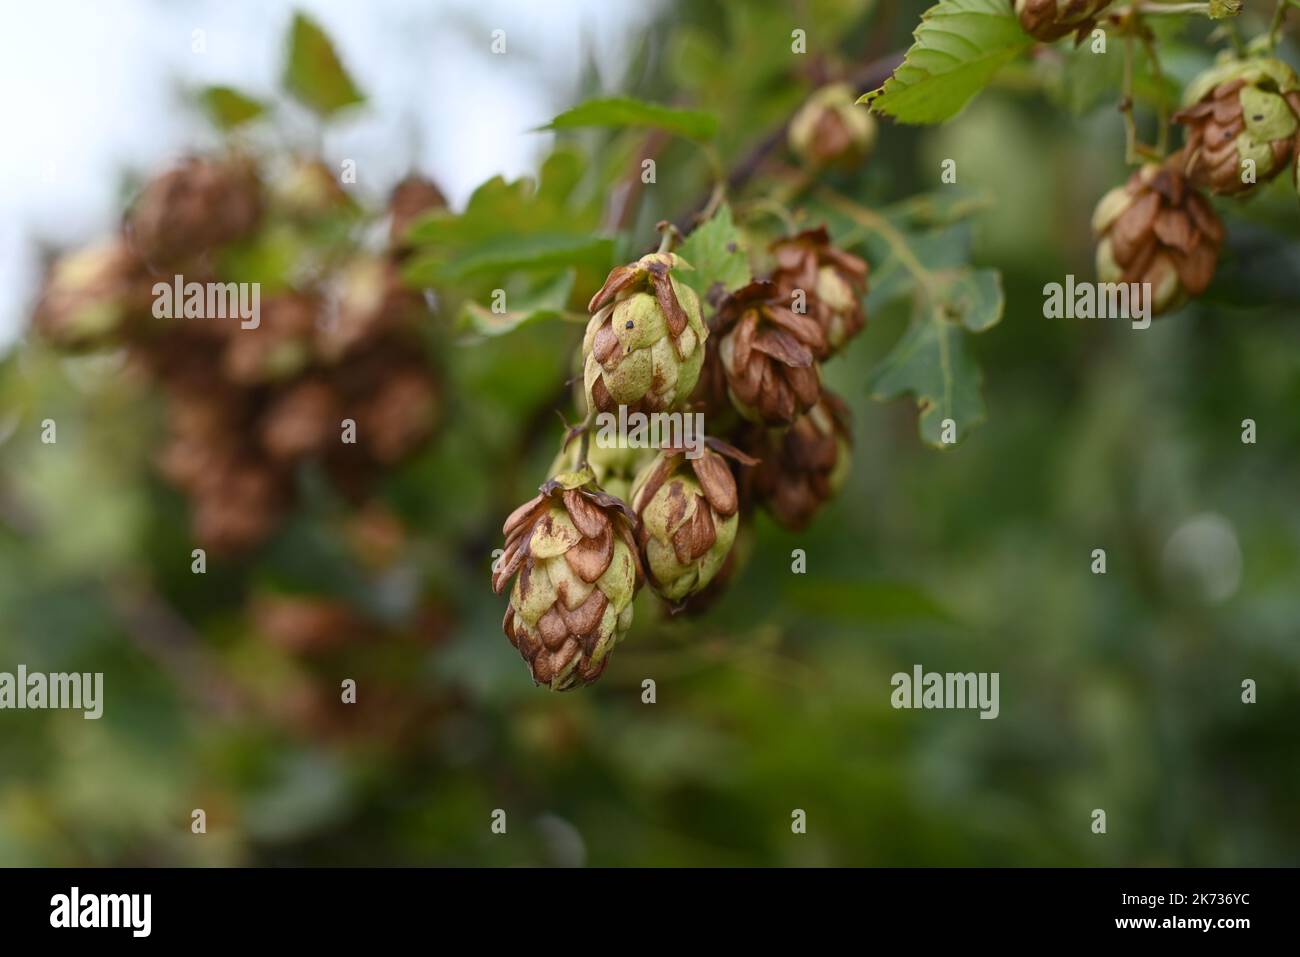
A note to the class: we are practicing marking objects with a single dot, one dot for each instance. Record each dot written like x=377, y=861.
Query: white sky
x=91, y=91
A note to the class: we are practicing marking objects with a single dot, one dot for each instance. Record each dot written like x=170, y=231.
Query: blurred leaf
x=932, y=360
x=959, y=45
x=623, y=112
x=499, y=208
x=229, y=108
x=505, y=254
x=314, y=74
x=547, y=302
x=716, y=251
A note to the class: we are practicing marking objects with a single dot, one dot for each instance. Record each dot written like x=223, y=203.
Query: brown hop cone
x=832, y=281
x=399, y=417
x=279, y=347
x=239, y=505
x=302, y=624
x=300, y=421
x=831, y=130
x=1241, y=120
x=410, y=199
x=768, y=354
x=370, y=298
x=805, y=465
x=644, y=345
x=573, y=550
x=1049, y=20
x=90, y=296
x=1158, y=229
x=199, y=205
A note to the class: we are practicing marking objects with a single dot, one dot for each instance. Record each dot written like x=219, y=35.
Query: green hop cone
x=688, y=510
x=1241, y=119
x=645, y=342
x=576, y=569
x=830, y=130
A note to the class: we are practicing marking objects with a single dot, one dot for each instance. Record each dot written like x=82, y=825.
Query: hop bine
x=1240, y=116
x=1158, y=229
x=644, y=345
x=576, y=570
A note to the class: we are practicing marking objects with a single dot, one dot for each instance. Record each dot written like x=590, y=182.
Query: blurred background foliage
x=1119, y=691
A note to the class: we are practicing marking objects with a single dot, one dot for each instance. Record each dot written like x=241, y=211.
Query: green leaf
x=501, y=255
x=313, y=73
x=623, y=111
x=229, y=108
x=959, y=45
x=932, y=360
x=546, y=302
x=716, y=251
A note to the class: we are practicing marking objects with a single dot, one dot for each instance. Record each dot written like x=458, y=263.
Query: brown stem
x=863, y=80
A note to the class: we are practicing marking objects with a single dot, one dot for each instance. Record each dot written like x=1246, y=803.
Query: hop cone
x=89, y=296
x=688, y=511
x=1157, y=229
x=1238, y=111
x=195, y=207
x=1049, y=20
x=832, y=281
x=805, y=465
x=830, y=130
x=645, y=342
x=578, y=571
x=768, y=354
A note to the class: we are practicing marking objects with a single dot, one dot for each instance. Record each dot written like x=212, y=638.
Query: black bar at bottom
x=334, y=906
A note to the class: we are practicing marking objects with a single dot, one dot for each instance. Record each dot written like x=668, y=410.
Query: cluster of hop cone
x=1242, y=129
x=337, y=342
x=613, y=518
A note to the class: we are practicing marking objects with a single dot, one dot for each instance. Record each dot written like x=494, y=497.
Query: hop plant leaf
x=314, y=74
x=959, y=45
x=932, y=361
x=717, y=251
x=624, y=112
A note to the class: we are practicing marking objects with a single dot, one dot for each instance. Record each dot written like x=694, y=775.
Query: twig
x=867, y=78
